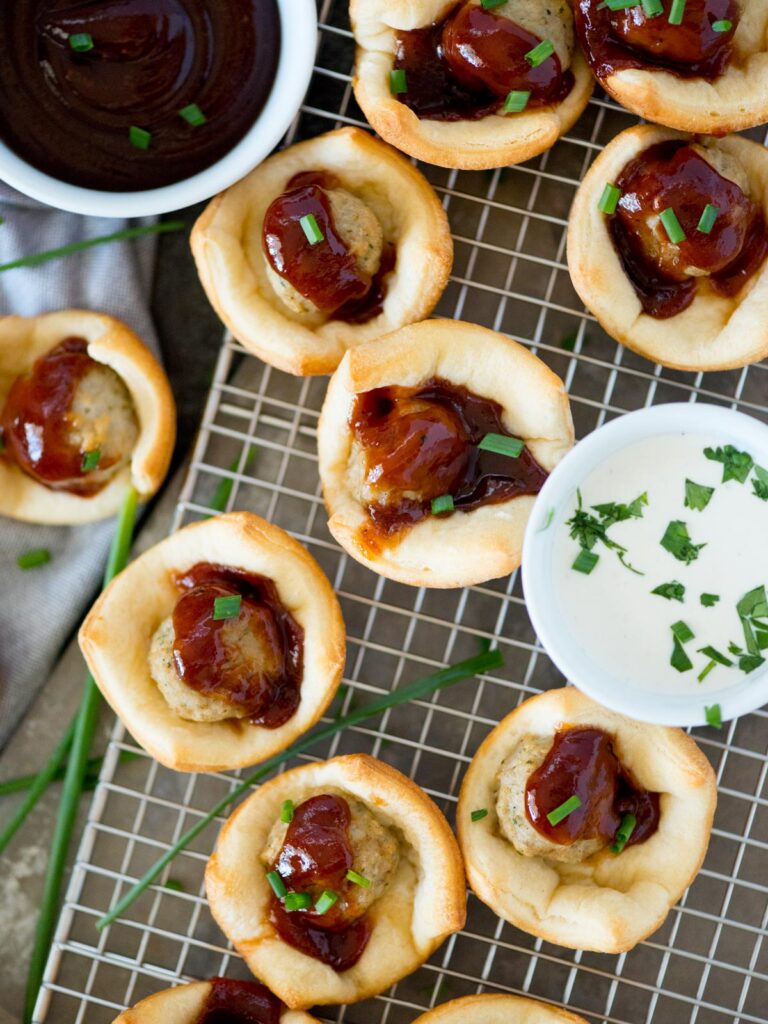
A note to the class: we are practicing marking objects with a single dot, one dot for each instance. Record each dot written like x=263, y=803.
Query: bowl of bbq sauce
x=135, y=107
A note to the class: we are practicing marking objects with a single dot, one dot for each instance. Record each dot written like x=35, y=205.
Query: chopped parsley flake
x=760, y=483
x=677, y=542
x=697, y=496
x=736, y=465
x=709, y=600
x=590, y=530
x=673, y=591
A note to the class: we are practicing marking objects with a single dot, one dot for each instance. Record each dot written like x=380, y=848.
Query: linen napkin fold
x=39, y=608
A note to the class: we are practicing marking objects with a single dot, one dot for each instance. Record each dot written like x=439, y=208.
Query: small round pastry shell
x=496, y=1009
x=736, y=100
x=227, y=246
x=116, y=635
x=467, y=547
x=607, y=903
x=425, y=901
x=184, y=1004
x=23, y=340
x=492, y=141
x=715, y=332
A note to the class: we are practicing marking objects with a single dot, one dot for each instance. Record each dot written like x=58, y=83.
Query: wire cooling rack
x=709, y=962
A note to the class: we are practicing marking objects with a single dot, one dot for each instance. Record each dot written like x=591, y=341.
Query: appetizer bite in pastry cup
x=700, y=66
x=433, y=443
x=218, y=646
x=336, y=879
x=469, y=84
x=85, y=412
x=218, y=999
x=325, y=245
x=667, y=246
x=497, y=1009
x=581, y=826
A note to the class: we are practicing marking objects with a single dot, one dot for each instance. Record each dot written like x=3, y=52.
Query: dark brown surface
x=240, y=1002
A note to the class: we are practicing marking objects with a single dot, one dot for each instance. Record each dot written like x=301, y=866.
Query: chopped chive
x=585, y=561
x=500, y=444
x=722, y=26
x=175, y=885
x=91, y=460
x=709, y=600
x=673, y=591
x=609, y=200
x=277, y=884
x=682, y=631
x=81, y=42
x=32, y=559
x=193, y=115
x=297, y=901
x=652, y=8
x=443, y=503
x=707, y=219
x=140, y=138
x=311, y=229
x=479, y=814
x=672, y=226
x=227, y=607
x=625, y=830
x=714, y=655
x=706, y=670
x=286, y=812
x=397, y=82
x=573, y=803
x=680, y=659
x=357, y=879
x=488, y=4
x=517, y=100
x=327, y=899
x=714, y=716
x=677, y=12
x=619, y=5
x=540, y=53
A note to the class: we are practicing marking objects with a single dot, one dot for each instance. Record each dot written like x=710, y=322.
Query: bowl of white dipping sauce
x=645, y=564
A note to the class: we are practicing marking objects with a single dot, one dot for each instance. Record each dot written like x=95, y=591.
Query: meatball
x=102, y=416
x=362, y=233
x=552, y=21
x=510, y=807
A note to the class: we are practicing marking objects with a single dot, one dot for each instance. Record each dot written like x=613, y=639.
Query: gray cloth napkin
x=39, y=608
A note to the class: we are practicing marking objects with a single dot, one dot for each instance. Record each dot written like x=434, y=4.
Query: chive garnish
x=311, y=229
x=573, y=803
x=680, y=659
x=487, y=4
x=706, y=670
x=653, y=8
x=672, y=226
x=277, y=884
x=585, y=561
x=327, y=899
x=81, y=42
x=609, y=200
x=723, y=25
x=673, y=591
x=682, y=631
x=517, y=100
x=677, y=12
x=286, y=812
x=139, y=138
x=677, y=542
x=760, y=483
x=709, y=600
x=540, y=53
x=752, y=607
x=358, y=879
x=500, y=444
x=736, y=465
x=618, y=5
x=588, y=529
x=441, y=504
x=707, y=219
x=32, y=559
x=714, y=716
x=193, y=115
x=224, y=487
x=697, y=496
x=479, y=814
x=297, y=901
x=91, y=460
x=227, y=607
x=397, y=82
x=625, y=830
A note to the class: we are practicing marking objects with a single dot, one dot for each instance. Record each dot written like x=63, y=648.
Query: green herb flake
x=723, y=25
x=585, y=561
x=677, y=12
x=625, y=830
x=286, y=812
x=328, y=898
x=653, y=8
x=714, y=716
x=175, y=885
x=709, y=600
x=488, y=4
x=709, y=667
x=193, y=115
x=500, y=444
x=760, y=483
x=707, y=219
x=753, y=606
x=358, y=879
x=573, y=803
x=672, y=226
x=697, y=496
x=677, y=542
x=516, y=101
x=736, y=465
x=673, y=591
x=588, y=529
x=479, y=814
x=442, y=504
x=397, y=82
x=90, y=460
x=297, y=901
x=311, y=229
x=682, y=631
x=81, y=42
x=714, y=655
x=540, y=53
x=749, y=662
x=277, y=884
x=680, y=659
x=609, y=199
x=33, y=559
x=226, y=607
x=139, y=138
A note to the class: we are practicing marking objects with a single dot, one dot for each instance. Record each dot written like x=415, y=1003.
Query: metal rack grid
x=709, y=963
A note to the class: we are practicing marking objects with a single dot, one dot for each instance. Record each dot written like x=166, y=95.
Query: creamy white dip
x=611, y=611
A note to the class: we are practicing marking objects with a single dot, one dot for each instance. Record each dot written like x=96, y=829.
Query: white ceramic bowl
x=538, y=578
x=298, y=29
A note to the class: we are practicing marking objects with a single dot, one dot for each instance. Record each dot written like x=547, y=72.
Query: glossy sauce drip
x=240, y=1002
x=316, y=855
x=420, y=443
x=36, y=421
x=672, y=175
x=69, y=113
x=619, y=40
x=582, y=762
x=464, y=67
x=253, y=660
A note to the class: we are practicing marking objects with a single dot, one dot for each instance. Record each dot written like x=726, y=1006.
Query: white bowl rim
x=298, y=41
x=650, y=706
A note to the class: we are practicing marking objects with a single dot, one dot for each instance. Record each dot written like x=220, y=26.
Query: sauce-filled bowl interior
x=129, y=108
x=644, y=569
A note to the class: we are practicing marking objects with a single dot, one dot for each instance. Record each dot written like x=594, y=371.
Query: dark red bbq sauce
x=582, y=762
x=463, y=67
x=253, y=660
x=316, y=855
x=69, y=113
x=35, y=422
x=672, y=175
x=619, y=40
x=240, y=1002
x=424, y=440
x=326, y=273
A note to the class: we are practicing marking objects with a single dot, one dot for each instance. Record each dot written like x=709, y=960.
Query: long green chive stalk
x=22, y=783
x=164, y=227
x=445, y=677
x=85, y=726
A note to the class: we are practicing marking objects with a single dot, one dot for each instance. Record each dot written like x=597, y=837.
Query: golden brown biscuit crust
x=498, y=1009
x=183, y=1005
x=465, y=548
x=607, y=903
x=226, y=243
x=424, y=904
x=715, y=332
x=117, y=632
x=22, y=341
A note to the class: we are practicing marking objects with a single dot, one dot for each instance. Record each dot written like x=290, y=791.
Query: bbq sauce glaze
x=582, y=762
x=463, y=67
x=672, y=175
x=420, y=443
x=327, y=273
x=619, y=40
x=216, y=656
x=35, y=422
x=316, y=855
x=239, y=1002
x=69, y=113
